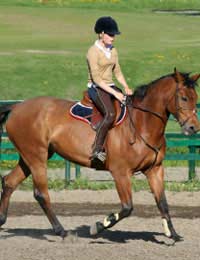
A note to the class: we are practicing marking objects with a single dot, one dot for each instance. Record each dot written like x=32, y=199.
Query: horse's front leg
x=123, y=185
x=156, y=182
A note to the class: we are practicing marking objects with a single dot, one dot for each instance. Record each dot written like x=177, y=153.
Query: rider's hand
x=128, y=91
x=120, y=96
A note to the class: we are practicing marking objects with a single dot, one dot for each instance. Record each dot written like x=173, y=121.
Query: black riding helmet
x=107, y=25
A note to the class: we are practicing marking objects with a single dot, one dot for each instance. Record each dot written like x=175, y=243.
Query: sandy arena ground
x=28, y=234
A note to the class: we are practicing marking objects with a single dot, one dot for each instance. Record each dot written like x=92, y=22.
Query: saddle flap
x=87, y=111
x=96, y=116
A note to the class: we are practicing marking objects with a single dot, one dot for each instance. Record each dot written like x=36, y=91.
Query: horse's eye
x=184, y=99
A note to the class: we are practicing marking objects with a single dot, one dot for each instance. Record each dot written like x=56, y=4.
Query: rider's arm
x=120, y=77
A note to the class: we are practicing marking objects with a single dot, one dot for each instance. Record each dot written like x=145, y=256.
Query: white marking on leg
x=116, y=216
x=106, y=222
x=166, y=228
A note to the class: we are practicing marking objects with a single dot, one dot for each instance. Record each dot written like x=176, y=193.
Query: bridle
x=178, y=108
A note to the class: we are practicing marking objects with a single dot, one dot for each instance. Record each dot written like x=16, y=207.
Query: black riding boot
x=99, y=154
x=104, y=103
x=98, y=160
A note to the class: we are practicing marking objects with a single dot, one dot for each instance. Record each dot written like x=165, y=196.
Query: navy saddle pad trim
x=84, y=113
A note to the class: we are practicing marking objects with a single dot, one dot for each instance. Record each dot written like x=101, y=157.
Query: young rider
x=102, y=59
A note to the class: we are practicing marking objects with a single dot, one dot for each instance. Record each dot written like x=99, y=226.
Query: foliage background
x=44, y=43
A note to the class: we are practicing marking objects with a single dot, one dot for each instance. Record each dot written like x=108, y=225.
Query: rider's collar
x=106, y=51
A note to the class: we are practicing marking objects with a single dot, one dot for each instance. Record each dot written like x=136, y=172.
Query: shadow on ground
x=108, y=236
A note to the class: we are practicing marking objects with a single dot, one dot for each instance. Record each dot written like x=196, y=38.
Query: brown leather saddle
x=86, y=111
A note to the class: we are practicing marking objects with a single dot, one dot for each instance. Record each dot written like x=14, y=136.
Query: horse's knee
x=3, y=183
x=6, y=189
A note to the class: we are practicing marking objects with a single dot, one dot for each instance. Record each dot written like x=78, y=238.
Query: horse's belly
x=73, y=141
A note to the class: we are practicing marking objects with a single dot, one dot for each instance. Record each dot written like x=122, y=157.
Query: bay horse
x=42, y=126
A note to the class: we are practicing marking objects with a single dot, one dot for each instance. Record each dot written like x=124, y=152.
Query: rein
x=132, y=125
x=149, y=111
x=131, y=106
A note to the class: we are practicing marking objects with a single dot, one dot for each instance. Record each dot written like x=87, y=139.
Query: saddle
x=86, y=111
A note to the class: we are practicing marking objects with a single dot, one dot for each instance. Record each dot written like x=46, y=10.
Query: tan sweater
x=100, y=67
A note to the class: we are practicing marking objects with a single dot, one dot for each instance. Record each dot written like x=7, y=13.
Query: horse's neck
x=153, y=114
x=159, y=96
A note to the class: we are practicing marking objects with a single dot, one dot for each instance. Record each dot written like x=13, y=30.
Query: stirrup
x=101, y=156
x=98, y=160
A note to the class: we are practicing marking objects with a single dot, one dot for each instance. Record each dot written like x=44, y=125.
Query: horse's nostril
x=192, y=128
x=189, y=129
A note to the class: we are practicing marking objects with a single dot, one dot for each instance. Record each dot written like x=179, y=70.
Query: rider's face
x=107, y=39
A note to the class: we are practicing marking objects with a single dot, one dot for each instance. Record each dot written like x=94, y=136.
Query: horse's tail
x=4, y=111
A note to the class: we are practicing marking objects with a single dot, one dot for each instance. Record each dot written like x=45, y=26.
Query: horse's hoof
x=2, y=220
x=60, y=232
x=96, y=228
x=63, y=234
x=177, y=238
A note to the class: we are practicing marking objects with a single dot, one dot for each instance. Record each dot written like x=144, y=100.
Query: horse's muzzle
x=190, y=129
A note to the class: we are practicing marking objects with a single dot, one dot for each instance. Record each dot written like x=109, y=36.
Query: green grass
x=122, y=5
x=137, y=185
x=150, y=46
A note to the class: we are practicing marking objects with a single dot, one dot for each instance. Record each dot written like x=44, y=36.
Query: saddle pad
x=84, y=113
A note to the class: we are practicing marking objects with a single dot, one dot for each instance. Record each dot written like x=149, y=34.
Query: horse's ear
x=177, y=75
x=195, y=77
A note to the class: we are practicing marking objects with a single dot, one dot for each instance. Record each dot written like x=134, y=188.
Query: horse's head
x=183, y=102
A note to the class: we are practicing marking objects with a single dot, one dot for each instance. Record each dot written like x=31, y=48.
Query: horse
x=42, y=126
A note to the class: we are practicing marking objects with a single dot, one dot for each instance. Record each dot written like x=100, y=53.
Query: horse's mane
x=141, y=91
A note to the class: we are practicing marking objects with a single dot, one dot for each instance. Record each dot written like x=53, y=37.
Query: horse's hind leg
x=156, y=182
x=41, y=194
x=9, y=184
x=123, y=185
